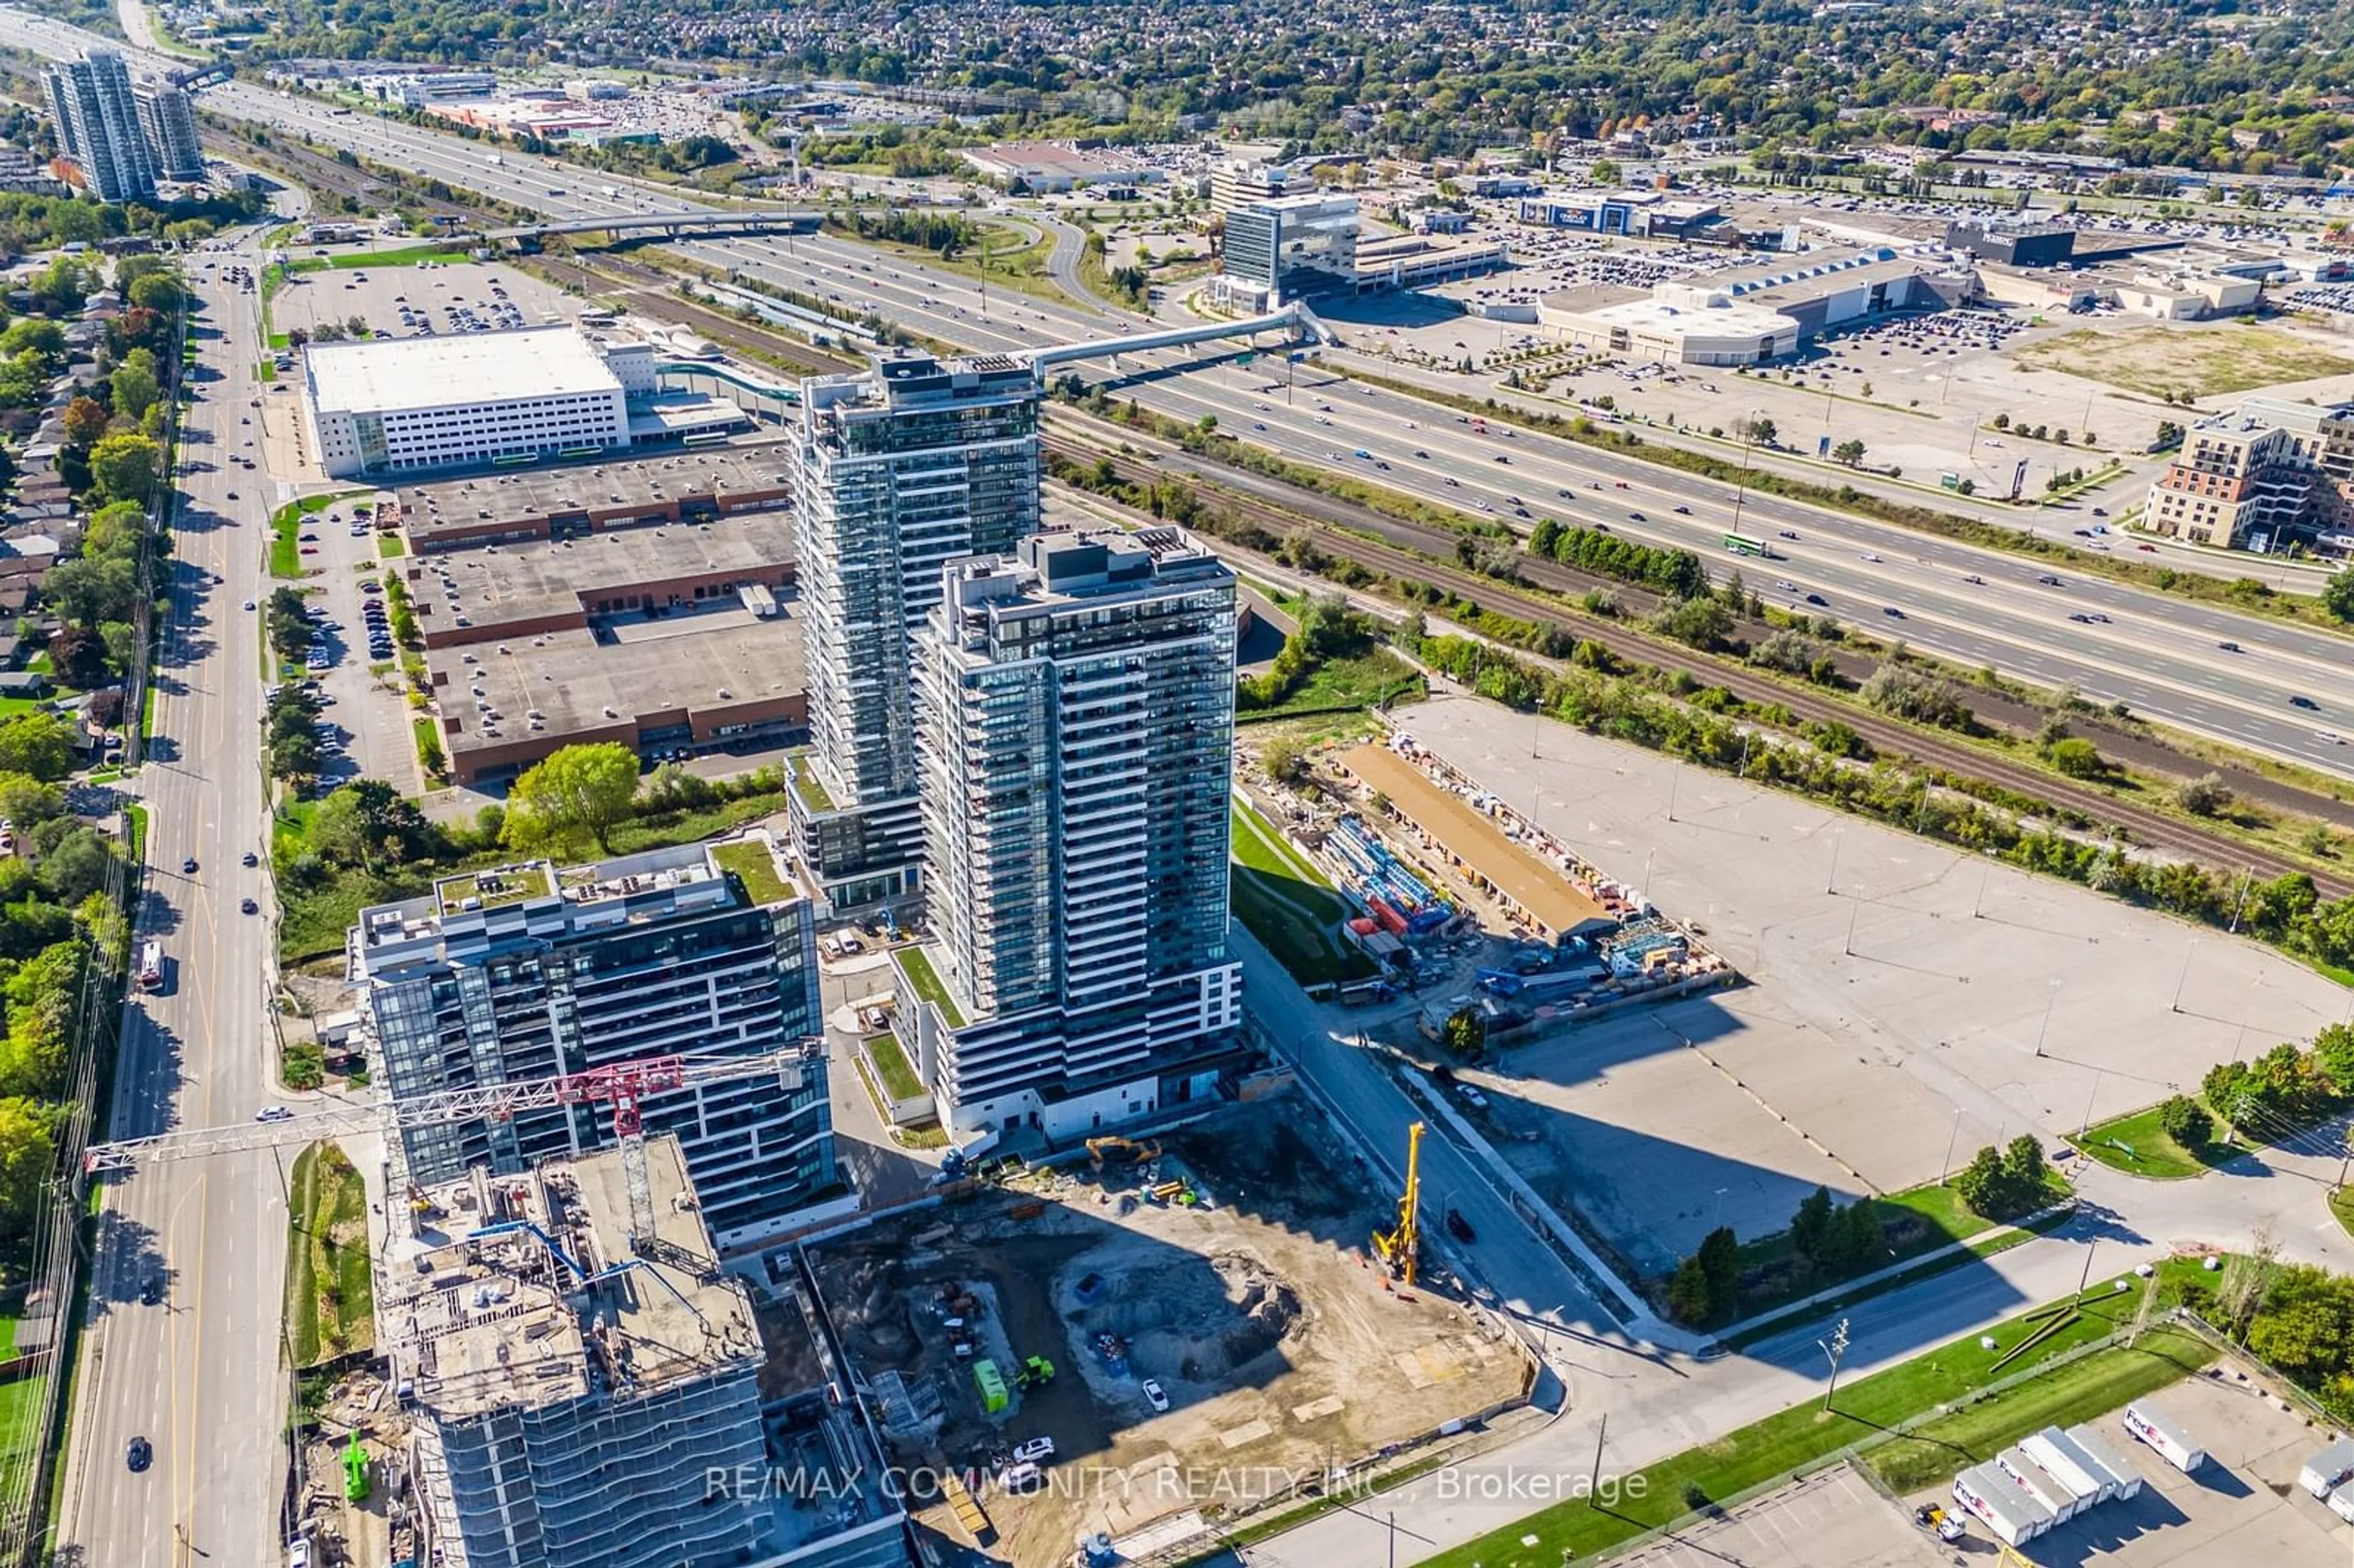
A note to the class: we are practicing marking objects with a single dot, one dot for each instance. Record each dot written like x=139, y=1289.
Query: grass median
x=2138, y=1146
x=330, y=1295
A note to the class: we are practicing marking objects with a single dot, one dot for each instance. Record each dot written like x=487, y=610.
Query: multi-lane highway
x=2162, y=657
x=183, y=1340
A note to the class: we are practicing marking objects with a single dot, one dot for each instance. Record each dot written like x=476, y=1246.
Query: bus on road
x=1743, y=544
x=151, y=965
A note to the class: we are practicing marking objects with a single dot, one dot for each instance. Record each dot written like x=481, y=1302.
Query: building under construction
x=573, y=1393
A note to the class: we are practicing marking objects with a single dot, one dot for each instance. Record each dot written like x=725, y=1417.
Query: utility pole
x=1594, y=1481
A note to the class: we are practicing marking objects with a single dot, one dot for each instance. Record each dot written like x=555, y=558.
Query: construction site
x=1155, y=1336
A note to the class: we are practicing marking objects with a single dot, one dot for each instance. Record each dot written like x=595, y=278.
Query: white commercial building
x=394, y=404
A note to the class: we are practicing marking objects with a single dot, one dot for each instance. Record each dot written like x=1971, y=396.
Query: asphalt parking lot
x=367, y=715
x=1832, y=1516
x=1906, y=999
x=445, y=297
x=2242, y=1508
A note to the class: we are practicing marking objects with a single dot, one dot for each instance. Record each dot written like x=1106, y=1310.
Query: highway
x=196, y=1372
x=2160, y=656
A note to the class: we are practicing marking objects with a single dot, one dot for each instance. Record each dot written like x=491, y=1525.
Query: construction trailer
x=2154, y=1426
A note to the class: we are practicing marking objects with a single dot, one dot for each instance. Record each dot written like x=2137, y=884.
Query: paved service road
x=197, y=1372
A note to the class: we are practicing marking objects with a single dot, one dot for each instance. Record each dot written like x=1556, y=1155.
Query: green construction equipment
x=356, y=1470
x=985, y=1377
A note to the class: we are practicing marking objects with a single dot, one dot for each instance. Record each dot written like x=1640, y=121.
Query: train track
x=1424, y=552
x=1401, y=560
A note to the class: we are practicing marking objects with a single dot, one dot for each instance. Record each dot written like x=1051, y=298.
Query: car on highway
x=2228, y=647
x=249, y=858
x=2047, y=581
x=247, y=907
x=2328, y=737
x=1975, y=579
x=1258, y=427
x=2151, y=548
x=1155, y=1396
x=138, y=1455
x=151, y=1290
x=1787, y=534
x=1871, y=555
x=1817, y=599
x=249, y=604
x=1683, y=510
x=2301, y=701
x=1420, y=454
x=1785, y=584
x=189, y=865
x=1891, y=612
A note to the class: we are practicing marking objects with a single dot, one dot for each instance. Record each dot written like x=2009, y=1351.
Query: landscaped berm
x=1289, y=905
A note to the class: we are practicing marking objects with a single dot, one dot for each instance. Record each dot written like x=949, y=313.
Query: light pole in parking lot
x=1740, y=494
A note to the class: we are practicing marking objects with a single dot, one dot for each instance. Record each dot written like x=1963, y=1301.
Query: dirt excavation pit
x=1228, y=1267
x=1200, y=1319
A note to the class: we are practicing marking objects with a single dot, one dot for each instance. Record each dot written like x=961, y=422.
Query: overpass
x=673, y=225
x=202, y=76
x=1295, y=318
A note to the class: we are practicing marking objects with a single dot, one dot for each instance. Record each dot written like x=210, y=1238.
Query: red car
x=309, y=549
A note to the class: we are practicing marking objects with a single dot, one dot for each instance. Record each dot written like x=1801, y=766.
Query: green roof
x=918, y=967
x=806, y=784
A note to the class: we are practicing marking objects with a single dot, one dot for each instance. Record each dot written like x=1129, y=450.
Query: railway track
x=1424, y=552
x=2147, y=828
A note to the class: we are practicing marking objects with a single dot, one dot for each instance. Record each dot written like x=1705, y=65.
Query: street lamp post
x=1836, y=1349
x=1945, y=1170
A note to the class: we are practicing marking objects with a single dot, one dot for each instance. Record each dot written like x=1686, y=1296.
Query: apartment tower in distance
x=536, y=970
x=898, y=470
x=98, y=126
x=169, y=121
x=1076, y=707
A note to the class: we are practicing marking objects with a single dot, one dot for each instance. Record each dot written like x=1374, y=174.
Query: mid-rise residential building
x=573, y=1395
x=169, y=123
x=2259, y=477
x=1283, y=248
x=1239, y=183
x=1076, y=708
x=535, y=971
x=898, y=470
x=98, y=125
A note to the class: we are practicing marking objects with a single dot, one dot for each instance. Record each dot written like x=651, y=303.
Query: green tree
x=40, y=743
x=1811, y=1227
x=2077, y=757
x=27, y=1157
x=1980, y=1182
x=156, y=292
x=2338, y=594
x=1284, y=760
x=1465, y=1032
x=2305, y=1325
x=124, y=466
x=2206, y=796
x=579, y=789
x=1687, y=1294
x=2186, y=1121
x=79, y=866
x=1850, y=451
x=1720, y=1260
x=135, y=386
x=27, y=801
x=367, y=823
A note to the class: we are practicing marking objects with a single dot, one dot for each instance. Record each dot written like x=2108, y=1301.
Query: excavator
x=1133, y=1153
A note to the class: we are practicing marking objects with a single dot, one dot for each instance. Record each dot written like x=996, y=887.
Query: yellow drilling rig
x=1400, y=1248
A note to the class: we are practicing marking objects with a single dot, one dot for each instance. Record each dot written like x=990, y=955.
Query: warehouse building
x=388, y=405
x=1041, y=166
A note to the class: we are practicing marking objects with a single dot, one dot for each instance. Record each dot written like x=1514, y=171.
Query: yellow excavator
x=1126, y=1149
x=1400, y=1248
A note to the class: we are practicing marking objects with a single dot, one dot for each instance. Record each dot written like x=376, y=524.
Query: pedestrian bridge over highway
x=672, y=224
x=1296, y=321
